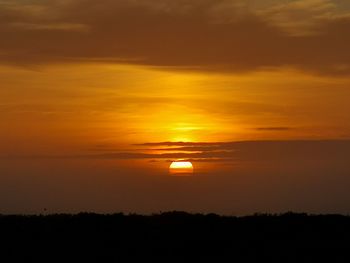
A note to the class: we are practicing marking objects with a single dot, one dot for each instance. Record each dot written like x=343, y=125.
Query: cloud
x=330, y=154
x=303, y=17
x=181, y=143
x=200, y=35
x=203, y=155
x=273, y=128
x=257, y=151
x=58, y=26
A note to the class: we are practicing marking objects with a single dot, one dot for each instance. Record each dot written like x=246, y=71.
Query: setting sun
x=160, y=105
x=181, y=167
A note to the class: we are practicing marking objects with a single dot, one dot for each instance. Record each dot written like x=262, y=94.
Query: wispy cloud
x=51, y=27
x=334, y=153
x=273, y=128
x=303, y=17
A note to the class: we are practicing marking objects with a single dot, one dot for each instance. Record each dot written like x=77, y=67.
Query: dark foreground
x=175, y=237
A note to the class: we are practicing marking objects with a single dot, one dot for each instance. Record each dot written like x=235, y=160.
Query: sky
x=97, y=98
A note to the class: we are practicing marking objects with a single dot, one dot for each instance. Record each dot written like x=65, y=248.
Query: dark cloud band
x=188, y=35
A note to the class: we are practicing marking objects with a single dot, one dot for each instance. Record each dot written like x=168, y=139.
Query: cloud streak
x=334, y=153
x=273, y=128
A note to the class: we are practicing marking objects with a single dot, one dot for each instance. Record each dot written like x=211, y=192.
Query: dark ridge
x=175, y=237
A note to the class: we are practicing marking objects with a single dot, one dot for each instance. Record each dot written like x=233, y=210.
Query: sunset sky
x=97, y=98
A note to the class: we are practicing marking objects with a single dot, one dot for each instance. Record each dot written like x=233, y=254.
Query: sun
x=181, y=168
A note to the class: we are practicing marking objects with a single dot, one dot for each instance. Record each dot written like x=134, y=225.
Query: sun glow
x=181, y=167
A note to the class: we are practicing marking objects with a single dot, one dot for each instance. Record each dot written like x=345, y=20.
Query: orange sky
x=82, y=105
x=95, y=88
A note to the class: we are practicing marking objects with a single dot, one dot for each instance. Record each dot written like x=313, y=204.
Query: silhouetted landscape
x=175, y=237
